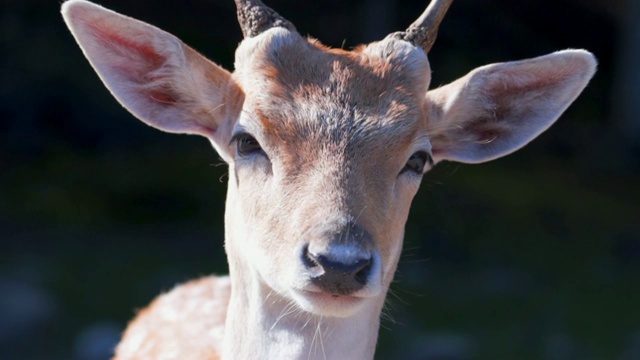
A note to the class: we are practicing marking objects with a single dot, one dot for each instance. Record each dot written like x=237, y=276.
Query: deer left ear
x=497, y=109
x=155, y=76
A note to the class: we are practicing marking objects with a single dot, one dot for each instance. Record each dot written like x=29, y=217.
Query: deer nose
x=338, y=272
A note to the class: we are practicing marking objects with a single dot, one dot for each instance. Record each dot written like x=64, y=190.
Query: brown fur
x=185, y=323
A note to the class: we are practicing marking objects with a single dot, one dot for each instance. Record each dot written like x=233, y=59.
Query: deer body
x=326, y=149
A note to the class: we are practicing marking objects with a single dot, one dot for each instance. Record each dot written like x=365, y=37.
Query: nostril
x=309, y=259
x=362, y=274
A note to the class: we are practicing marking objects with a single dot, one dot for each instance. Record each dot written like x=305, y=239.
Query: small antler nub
x=255, y=17
x=423, y=32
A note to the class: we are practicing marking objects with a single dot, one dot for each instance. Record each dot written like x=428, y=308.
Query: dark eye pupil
x=417, y=162
x=247, y=144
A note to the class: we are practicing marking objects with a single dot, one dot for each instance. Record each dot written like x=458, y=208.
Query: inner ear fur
x=497, y=109
x=160, y=80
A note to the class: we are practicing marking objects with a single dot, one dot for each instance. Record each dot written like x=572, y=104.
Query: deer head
x=326, y=148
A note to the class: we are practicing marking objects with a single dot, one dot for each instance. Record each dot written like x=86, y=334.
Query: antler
x=423, y=32
x=255, y=17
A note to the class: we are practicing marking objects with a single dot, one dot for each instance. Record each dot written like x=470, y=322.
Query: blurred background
x=533, y=256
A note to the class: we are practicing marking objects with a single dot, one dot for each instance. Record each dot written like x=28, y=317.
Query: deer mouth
x=327, y=304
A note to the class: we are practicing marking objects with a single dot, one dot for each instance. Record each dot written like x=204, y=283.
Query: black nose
x=337, y=275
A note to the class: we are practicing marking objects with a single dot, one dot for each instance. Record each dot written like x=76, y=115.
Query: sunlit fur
x=316, y=125
x=336, y=129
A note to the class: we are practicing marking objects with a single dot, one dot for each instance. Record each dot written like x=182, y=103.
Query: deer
x=326, y=149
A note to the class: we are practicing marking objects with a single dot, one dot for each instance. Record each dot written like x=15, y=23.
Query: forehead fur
x=302, y=91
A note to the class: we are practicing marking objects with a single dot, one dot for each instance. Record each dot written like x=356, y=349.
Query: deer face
x=328, y=151
x=326, y=148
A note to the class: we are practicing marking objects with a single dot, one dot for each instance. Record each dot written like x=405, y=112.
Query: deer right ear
x=154, y=75
x=497, y=109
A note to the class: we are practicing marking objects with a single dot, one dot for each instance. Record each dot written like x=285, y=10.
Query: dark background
x=534, y=256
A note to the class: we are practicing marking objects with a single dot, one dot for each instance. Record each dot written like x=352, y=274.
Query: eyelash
x=246, y=144
x=422, y=157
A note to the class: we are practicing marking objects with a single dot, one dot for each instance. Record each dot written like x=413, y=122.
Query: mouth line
x=327, y=295
x=319, y=297
x=312, y=292
x=327, y=304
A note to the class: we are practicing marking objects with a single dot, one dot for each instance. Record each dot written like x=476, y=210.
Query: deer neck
x=262, y=324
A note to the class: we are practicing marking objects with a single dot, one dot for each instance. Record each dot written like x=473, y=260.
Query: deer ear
x=497, y=109
x=153, y=74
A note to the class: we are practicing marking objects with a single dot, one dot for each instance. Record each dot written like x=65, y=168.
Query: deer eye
x=246, y=144
x=417, y=162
